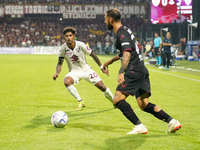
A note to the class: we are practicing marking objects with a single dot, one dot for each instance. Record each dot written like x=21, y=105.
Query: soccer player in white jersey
x=74, y=53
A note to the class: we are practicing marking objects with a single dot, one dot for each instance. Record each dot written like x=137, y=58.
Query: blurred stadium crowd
x=71, y=1
x=46, y=30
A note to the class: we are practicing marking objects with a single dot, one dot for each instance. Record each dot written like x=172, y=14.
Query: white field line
x=175, y=75
x=166, y=73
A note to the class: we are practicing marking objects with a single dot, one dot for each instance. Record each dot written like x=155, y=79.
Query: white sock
x=108, y=94
x=73, y=91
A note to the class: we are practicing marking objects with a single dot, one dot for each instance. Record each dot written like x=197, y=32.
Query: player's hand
x=105, y=65
x=121, y=79
x=106, y=71
x=55, y=76
x=105, y=68
x=159, y=49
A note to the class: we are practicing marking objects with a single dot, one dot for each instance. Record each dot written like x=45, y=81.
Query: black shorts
x=135, y=83
x=156, y=51
x=166, y=55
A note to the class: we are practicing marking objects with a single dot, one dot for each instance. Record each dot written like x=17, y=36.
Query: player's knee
x=118, y=97
x=142, y=107
x=67, y=83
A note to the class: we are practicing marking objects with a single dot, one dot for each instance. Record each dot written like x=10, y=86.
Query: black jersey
x=125, y=41
x=183, y=45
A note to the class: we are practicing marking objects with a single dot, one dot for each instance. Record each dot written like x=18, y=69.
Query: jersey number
x=136, y=47
x=130, y=32
x=138, y=52
x=94, y=75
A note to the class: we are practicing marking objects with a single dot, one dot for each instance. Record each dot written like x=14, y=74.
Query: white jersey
x=75, y=58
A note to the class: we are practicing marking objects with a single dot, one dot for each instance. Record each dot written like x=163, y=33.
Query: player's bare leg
x=119, y=101
x=108, y=94
x=73, y=91
x=143, y=101
x=145, y=105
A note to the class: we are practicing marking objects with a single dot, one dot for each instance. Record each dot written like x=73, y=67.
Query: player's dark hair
x=69, y=29
x=114, y=13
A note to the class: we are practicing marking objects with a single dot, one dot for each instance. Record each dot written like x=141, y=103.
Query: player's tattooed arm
x=124, y=64
x=58, y=68
x=59, y=65
x=125, y=61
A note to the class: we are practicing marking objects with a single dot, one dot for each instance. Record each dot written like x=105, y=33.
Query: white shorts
x=88, y=75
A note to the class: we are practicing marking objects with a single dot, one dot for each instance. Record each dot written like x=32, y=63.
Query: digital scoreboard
x=171, y=11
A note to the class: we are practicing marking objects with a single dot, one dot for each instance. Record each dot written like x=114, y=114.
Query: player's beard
x=110, y=27
x=69, y=42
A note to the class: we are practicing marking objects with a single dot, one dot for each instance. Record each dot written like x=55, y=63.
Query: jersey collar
x=119, y=28
x=74, y=46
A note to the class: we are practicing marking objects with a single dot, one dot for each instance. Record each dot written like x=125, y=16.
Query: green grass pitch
x=29, y=96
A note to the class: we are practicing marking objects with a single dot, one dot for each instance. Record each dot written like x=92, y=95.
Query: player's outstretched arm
x=111, y=61
x=124, y=64
x=96, y=59
x=58, y=68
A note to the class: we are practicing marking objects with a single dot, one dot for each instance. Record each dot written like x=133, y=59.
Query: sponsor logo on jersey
x=121, y=37
x=78, y=50
x=69, y=53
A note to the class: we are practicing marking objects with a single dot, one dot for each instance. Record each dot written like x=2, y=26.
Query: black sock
x=160, y=115
x=128, y=112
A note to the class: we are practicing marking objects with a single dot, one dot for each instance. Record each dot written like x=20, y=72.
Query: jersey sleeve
x=86, y=49
x=125, y=43
x=160, y=40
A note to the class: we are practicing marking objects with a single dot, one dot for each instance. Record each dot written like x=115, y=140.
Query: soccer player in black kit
x=133, y=78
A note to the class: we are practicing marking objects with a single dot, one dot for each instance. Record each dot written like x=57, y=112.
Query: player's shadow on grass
x=38, y=121
x=128, y=142
x=91, y=127
x=78, y=115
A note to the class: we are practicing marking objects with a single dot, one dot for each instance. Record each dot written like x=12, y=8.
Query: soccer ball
x=59, y=119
